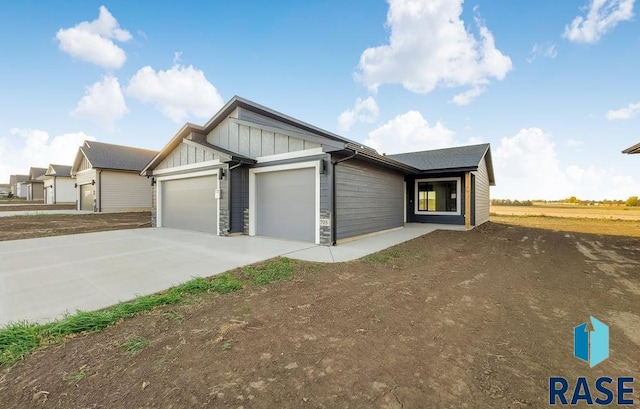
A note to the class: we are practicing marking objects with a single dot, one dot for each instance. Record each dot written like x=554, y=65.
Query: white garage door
x=286, y=204
x=190, y=204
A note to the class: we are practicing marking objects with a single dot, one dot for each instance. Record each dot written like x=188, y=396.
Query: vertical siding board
x=243, y=141
x=281, y=143
x=233, y=137
x=295, y=144
x=224, y=134
x=268, y=143
x=255, y=144
x=368, y=199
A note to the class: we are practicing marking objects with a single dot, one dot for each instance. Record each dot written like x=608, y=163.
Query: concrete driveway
x=40, y=279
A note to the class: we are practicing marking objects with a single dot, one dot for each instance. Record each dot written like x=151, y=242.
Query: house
x=634, y=149
x=252, y=170
x=35, y=184
x=4, y=189
x=108, y=178
x=18, y=188
x=58, y=185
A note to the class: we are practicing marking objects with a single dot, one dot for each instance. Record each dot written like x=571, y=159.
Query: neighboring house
x=18, y=187
x=634, y=149
x=108, y=178
x=35, y=184
x=255, y=171
x=58, y=185
x=5, y=189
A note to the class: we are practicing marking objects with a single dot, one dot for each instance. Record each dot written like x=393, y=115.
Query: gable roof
x=58, y=170
x=271, y=117
x=633, y=149
x=116, y=157
x=461, y=158
x=36, y=174
x=18, y=178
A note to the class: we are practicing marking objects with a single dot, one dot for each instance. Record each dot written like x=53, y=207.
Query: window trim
x=458, y=181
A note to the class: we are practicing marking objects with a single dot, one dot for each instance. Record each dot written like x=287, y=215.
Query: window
x=438, y=196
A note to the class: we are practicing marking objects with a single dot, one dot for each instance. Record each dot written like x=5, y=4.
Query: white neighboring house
x=35, y=190
x=58, y=185
x=18, y=187
x=107, y=178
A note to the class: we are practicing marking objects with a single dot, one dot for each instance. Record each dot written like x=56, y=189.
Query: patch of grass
x=227, y=346
x=74, y=378
x=376, y=319
x=17, y=340
x=134, y=345
x=174, y=316
x=382, y=257
x=275, y=270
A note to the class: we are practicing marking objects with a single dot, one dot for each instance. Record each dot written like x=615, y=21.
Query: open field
x=583, y=212
x=29, y=227
x=614, y=227
x=477, y=319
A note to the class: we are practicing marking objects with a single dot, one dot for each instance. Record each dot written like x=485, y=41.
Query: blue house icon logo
x=591, y=346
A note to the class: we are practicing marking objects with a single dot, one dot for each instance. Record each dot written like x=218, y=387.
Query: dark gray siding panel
x=369, y=198
x=239, y=197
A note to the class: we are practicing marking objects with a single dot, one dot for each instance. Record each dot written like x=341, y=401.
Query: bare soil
x=43, y=225
x=616, y=227
x=34, y=206
x=476, y=319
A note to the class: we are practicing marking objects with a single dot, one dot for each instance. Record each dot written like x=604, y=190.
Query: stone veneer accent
x=325, y=231
x=154, y=205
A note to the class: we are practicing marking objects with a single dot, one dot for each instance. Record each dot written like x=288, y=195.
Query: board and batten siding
x=124, y=191
x=254, y=141
x=84, y=165
x=482, y=193
x=185, y=154
x=368, y=199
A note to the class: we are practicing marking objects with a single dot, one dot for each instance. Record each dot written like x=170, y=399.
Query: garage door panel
x=190, y=204
x=86, y=197
x=286, y=204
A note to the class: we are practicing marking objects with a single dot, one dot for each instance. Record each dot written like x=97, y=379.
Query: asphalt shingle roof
x=462, y=157
x=633, y=149
x=108, y=156
x=61, y=170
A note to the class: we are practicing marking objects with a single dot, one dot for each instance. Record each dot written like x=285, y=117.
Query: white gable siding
x=482, y=193
x=84, y=164
x=254, y=141
x=124, y=192
x=185, y=154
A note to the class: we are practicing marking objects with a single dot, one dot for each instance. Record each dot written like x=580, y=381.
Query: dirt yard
x=28, y=227
x=34, y=206
x=449, y=320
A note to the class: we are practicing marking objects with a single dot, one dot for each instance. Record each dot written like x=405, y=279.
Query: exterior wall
x=65, y=192
x=123, y=191
x=369, y=198
x=82, y=178
x=253, y=141
x=35, y=191
x=185, y=154
x=482, y=199
x=412, y=217
x=21, y=190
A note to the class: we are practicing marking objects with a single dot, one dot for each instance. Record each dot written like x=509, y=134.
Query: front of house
x=251, y=170
x=107, y=178
x=58, y=185
x=35, y=184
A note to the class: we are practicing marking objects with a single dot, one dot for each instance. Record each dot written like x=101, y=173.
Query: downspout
x=100, y=191
x=334, y=222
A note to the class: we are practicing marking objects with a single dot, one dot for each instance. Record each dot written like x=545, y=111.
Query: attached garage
x=284, y=201
x=189, y=203
x=86, y=197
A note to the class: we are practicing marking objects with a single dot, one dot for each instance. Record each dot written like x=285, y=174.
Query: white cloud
x=573, y=143
x=601, y=17
x=527, y=166
x=102, y=102
x=364, y=110
x=628, y=112
x=429, y=46
x=25, y=148
x=94, y=41
x=466, y=97
x=178, y=92
x=409, y=132
x=547, y=50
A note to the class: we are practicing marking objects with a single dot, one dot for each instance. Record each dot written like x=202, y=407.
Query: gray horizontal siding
x=481, y=194
x=368, y=199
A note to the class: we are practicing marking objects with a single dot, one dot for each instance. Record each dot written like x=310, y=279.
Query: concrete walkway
x=41, y=279
x=38, y=212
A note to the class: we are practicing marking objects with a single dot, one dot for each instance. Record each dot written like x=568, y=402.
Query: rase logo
x=591, y=346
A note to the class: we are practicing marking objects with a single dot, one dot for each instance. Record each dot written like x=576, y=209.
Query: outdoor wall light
x=93, y=182
x=153, y=181
x=221, y=174
x=75, y=185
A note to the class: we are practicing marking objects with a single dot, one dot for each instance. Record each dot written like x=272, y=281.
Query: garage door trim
x=160, y=179
x=252, y=192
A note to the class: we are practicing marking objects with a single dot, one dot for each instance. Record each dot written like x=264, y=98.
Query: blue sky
x=552, y=85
